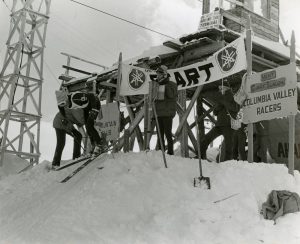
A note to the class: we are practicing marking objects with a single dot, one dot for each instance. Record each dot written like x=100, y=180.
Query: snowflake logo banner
x=135, y=80
x=227, y=58
x=227, y=61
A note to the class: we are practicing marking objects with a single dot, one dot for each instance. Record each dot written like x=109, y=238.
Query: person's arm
x=217, y=109
x=229, y=103
x=62, y=110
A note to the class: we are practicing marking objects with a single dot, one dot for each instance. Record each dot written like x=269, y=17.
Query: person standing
x=226, y=109
x=166, y=106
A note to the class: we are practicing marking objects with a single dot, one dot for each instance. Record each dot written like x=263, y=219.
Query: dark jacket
x=66, y=118
x=60, y=122
x=226, y=108
x=167, y=107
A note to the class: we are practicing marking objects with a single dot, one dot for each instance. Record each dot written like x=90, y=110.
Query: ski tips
x=202, y=182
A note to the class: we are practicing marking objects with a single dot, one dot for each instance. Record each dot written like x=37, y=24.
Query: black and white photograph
x=149, y=122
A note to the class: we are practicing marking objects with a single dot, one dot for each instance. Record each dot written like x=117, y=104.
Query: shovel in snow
x=200, y=181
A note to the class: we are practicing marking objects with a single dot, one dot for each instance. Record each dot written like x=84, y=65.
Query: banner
x=227, y=61
x=271, y=94
x=110, y=122
x=135, y=80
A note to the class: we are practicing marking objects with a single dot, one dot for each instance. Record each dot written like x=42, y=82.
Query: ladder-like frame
x=21, y=80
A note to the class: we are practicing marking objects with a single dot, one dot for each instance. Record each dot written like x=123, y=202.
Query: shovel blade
x=202, y=182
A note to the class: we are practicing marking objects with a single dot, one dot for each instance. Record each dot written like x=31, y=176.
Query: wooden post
x=188, y=110
x=249, y=71
x=292, y=117
x=126, y=140
x=184, y=131
x=119, y=78
x=205, y=6
x=31, y=148
x=146, y=121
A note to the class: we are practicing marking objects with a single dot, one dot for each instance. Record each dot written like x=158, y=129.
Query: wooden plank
x=189, y=128
x=187, y=112
x=184, y=132
x=291, y=163
x=249, y=71
x=137, y=129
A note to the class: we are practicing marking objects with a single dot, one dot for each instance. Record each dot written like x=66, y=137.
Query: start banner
x=271, y=94
x=227, y=61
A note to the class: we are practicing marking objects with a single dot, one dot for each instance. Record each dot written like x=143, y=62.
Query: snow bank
x=134, y=199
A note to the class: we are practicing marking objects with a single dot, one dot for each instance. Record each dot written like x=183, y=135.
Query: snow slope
x=134, y=199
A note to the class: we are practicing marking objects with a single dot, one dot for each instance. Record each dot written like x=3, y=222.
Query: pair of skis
x=88, y=159
x=81, y=167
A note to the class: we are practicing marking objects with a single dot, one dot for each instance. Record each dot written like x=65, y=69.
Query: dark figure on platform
x=166, y=106
x=225, y=109
x=64, y=124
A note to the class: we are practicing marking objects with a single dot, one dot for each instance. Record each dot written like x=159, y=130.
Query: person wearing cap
x=166, y=106
x=63, y=124
x=225, y=109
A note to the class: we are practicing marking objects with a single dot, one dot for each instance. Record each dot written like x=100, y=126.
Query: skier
x=166, y=106
x=63, y=124
x=89, y=102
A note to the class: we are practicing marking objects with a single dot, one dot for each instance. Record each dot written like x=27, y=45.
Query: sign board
x=109, y=124
x=210, y=20
x=271, y=94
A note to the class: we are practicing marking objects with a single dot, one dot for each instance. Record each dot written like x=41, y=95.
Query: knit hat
x=162, y=69
x=61, y=97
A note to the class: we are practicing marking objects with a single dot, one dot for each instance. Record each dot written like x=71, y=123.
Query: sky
x=133, y=199
x=100, y=38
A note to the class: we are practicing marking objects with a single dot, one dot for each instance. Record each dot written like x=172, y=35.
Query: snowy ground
x=134, y=199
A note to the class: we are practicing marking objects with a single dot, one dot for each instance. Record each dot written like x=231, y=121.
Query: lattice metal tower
x=21, y=80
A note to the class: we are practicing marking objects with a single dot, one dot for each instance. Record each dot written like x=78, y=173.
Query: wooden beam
x=188, y=110
x=76, y=70
x=137, y=129
x=291, y=163
x=249, y=72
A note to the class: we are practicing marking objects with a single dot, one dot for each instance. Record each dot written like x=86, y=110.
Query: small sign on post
x=210, y=20
x=109, y=124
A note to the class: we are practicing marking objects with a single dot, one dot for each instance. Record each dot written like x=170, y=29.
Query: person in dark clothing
x=91, y=106
x=225, y=109
x=166, y=107
x=63, y=124
x=239, y=142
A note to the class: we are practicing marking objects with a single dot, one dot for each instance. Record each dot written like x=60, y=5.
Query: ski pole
x=159, y=135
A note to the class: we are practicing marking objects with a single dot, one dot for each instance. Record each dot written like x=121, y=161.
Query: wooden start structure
x=218, y=27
